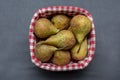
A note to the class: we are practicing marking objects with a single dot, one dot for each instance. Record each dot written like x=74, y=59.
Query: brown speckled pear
x=44, y=52
x=61, y=58
x=60, y=21
x=80, y=26
x=44, y=28
x=64, y=39
x=79, y=52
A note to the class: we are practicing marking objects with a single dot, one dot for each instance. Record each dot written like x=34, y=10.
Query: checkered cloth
x=69, y=10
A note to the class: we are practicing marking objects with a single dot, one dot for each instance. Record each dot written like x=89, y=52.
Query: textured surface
x=15, y=61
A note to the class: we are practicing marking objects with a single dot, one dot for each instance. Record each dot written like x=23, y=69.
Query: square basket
x=71, y=11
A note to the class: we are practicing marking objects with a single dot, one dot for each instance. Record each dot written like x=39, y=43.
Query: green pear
x=64, y=39
x=79, y=52
x=80, y=26
x=60, y=21
x=44, y=52
x=44, y=28
x=61, y=58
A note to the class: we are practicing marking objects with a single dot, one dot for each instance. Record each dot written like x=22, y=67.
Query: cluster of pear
x=63, y=38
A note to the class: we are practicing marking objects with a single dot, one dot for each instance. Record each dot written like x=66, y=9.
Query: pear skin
x=44, y=52
x=61, y=58
x=79, y=52
x=44, y=28
x=60, y=21
x=81, y=26
x=64, y=39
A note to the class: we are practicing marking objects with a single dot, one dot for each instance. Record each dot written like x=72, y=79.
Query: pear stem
x=80, y=45
x=62, y=48
x=79, y=48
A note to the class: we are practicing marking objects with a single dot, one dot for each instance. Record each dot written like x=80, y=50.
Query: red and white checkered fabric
x=69, y=10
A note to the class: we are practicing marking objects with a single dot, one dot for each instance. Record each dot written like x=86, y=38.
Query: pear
x=60, y=21
x=64, y=39
x=61, y=58
x=80, y=26
x=44, y=28
x=44, y=52
x=79, y=52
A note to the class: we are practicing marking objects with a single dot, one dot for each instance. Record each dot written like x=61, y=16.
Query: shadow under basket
x=70, y=11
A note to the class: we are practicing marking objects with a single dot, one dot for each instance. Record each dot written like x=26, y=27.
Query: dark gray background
x=15, y=63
